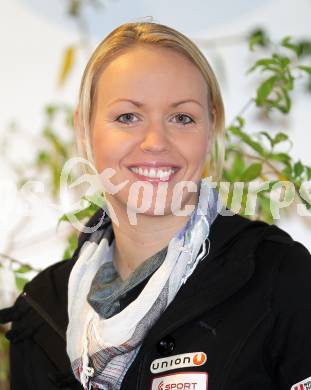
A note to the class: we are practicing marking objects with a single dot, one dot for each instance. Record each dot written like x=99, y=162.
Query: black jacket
x=247, y=306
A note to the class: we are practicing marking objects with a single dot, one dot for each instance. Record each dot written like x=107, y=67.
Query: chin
x=121, y=203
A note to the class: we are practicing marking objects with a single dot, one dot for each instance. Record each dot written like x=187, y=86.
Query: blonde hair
x=127, y=36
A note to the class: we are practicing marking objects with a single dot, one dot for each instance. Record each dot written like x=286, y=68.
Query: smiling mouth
x=162, y=174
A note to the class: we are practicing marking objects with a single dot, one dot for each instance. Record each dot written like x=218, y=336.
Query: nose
x=155, y=139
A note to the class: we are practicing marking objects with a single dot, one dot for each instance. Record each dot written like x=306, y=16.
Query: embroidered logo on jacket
x=181, y=381
x=194, y=359
x=303, y=385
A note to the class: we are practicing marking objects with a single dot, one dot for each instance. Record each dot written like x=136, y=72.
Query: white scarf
x=101, y=350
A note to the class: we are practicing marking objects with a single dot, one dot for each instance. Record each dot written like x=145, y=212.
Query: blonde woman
x=167, y=289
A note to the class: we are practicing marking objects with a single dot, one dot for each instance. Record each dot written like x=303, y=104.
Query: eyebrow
x=139, y=104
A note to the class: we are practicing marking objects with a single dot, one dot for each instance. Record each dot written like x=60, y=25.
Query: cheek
x=195, y=149
x=105, y=151
x=109, y=149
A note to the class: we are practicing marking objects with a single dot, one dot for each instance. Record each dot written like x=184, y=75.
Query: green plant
x=259, y=155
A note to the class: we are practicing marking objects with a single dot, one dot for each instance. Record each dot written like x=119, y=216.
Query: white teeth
x=153, y=173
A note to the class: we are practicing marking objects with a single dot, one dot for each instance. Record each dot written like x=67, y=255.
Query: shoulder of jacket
x=287, y=264
x=238, y=237
x=292, y=282
x=275, y=245
x=43, y=301
x=50, y=282
x=281, y=243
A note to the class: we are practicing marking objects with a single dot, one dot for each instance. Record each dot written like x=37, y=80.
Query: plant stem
x=13, y=260
x=246, y=106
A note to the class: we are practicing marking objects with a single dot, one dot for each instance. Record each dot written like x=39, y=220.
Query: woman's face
x=151, y=123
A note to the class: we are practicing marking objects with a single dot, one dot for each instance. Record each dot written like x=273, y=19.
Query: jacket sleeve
x=19, y=361
x=19, y=336
x=290, y=343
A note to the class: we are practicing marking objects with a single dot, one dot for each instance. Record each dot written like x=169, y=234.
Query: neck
x=136, y=243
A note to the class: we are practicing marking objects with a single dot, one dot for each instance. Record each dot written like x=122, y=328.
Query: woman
x=166, y=290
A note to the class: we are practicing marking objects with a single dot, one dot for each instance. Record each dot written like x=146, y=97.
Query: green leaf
x=50, y=111
x=298, y=168
x=258, y=37
x=287, y=171
x=56, y=142
x=20, y=282
x=288, y=81
x=71, y=247
x=264, y=63
x=95, y=201
x=23, y=269
x=282, y=157
x=241, y=121
x=252, y=172
x=305, y=68
x=281, y=60
x=43, y=158
x=226, y=175
x=97, y=198
x=4, y=356
x=280, y=137
x=265, y=89
x=74, y=7
x=267, y=136
x=238, y=166
x=297, y=48
x=87, y=212
x=306, y=47
x=285, y=108
x=265, y=207
x=248, y=140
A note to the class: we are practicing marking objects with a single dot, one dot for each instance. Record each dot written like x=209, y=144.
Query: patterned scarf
x=102, y=349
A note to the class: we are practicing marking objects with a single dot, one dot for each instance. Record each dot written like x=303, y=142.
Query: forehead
x=149, y=70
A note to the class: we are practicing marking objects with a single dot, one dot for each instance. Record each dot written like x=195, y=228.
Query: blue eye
x=180, y=115
x=127, y=115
